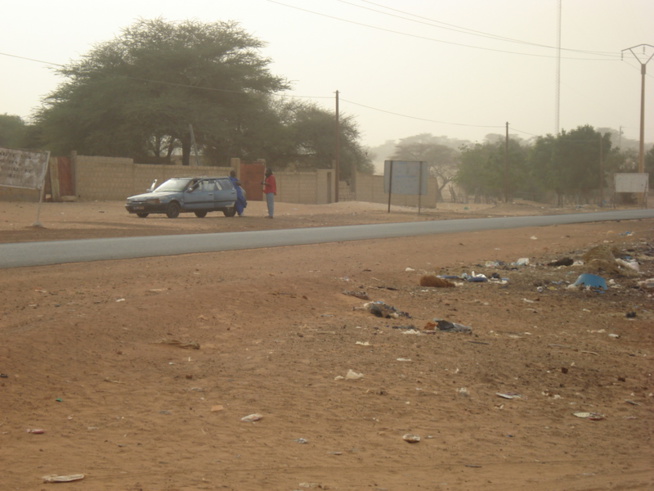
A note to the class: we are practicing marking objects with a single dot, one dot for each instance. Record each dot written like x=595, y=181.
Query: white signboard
x=402, y=177
x=23, y=168
x=631, y=183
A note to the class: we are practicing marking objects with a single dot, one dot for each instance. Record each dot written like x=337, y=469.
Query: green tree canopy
x=138, y=94
x=13, y=131
x=569, y=164
x=488, y=171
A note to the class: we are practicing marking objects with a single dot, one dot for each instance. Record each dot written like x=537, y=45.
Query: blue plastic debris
x=591, y=281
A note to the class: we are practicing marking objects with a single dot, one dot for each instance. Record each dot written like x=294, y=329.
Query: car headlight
x=153, y=201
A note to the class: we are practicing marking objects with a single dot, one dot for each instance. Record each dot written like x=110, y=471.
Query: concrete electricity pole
x=643, y=71
x=337, y=150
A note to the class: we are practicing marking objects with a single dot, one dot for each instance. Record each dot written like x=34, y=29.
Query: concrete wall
x=113, y=179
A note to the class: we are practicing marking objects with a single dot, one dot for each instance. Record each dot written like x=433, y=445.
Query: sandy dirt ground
x=138, y=374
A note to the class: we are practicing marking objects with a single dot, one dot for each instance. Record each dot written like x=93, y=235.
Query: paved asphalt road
x=68, y=251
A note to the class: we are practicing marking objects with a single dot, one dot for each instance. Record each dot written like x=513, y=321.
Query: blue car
x=199, y=195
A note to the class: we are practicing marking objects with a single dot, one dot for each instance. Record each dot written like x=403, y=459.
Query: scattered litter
x=251, y=418
x=631, y=264
x=448, y=326
x=591, y=416
x=614, y=336
x=352, y=375
x=436, y=282
x=633, y=403
x=474, y=277
x=179, y=344
x=630, y=315
x=409, y=438
x=523, y=261
x=120, y=300
x=409, y=270
x=508, y=395
x=303, y=441
x=381, y=309
x=605, y=258
x=68, y=478
x=4, y=375
x=409, y=327
x=217, y=408
x=358, y=294
x=463, y=391
x=36, y=431
x=590, y=281
x=404, y=359
x=565, y=261
x=363, y=343
x=648, y=283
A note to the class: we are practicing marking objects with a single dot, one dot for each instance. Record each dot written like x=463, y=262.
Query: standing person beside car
x=270, y=190
x=241, y=203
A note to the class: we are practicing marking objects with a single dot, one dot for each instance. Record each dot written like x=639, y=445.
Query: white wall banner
x=23, y=168
x=631, y=183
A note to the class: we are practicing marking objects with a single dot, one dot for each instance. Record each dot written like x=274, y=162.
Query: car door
x=225, y=193
x=200, y=196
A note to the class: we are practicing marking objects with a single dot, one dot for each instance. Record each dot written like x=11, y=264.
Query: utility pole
x=557, y=108
x=643, y=71
x=506, y=165
x=601, y=203
x=337, y=152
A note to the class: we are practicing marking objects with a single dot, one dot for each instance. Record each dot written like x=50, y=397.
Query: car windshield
x=173, y=185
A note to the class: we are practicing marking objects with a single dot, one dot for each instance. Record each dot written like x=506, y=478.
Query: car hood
x=146, y=196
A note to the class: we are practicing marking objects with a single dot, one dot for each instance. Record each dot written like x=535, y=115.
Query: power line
x=31, y=59
x=464, y=30
x=420, y=119
x=415, y=35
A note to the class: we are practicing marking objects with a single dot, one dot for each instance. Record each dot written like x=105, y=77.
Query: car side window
x=208, y=186
x=223, y=184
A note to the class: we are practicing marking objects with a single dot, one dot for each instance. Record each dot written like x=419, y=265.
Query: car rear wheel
x=201, y=214
x=173, y=209
x=229, y=212
x=142, y=214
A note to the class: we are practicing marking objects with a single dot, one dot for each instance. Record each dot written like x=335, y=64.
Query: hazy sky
x=458, y=68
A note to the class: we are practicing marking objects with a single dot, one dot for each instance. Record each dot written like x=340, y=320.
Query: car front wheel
x=142, y=214
x=201, y=214
x=173, y=209
x=229, y=212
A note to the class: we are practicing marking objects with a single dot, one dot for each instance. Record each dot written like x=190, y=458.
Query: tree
x=307, y=140
x=13, y=131
x=442, y=159
x=569, y=164
x=139, y=94
x=486, y=172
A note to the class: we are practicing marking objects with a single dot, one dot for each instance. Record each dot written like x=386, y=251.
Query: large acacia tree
x=569, y=164
x=489, y=172
x=140, y=94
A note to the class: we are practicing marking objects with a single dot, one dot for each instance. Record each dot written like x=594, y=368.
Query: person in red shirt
x=270, y=190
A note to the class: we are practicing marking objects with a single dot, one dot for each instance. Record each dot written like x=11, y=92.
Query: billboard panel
x=23, y=168
x=402, y=177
